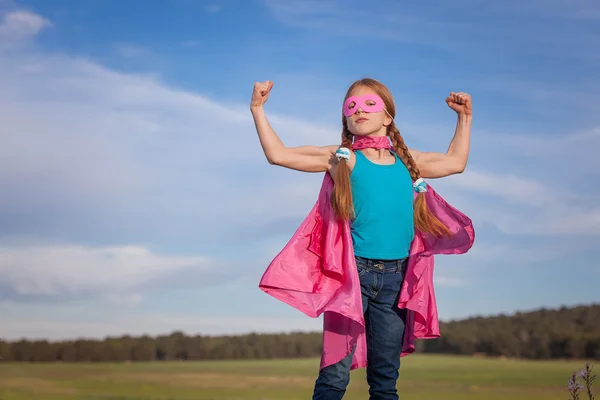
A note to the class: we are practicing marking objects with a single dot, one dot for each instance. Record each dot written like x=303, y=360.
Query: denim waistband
x=382, y=265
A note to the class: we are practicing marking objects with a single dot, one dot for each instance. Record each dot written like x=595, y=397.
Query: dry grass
x=422, y=377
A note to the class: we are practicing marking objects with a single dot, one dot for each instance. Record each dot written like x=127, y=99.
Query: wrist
x=256, y=109
x=465, y=116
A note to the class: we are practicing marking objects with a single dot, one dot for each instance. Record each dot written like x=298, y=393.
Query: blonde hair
x=341, y=197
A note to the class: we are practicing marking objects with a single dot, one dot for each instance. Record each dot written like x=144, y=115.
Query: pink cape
x=316, y=273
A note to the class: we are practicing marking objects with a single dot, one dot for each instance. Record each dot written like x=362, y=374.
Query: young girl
x=379, y=196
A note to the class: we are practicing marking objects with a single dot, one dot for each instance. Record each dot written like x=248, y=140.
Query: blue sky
x=136, y=198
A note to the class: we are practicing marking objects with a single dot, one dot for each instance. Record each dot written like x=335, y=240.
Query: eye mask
x=352, y=104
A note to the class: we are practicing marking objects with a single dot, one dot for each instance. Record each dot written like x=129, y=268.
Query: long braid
x=424, y=220
x=402, y=150
x=341, y=196
x=347, y=138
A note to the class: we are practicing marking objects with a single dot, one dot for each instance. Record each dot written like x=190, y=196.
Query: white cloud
x=448, y=281
x=54, y=329
x=560, y=221
x=115, y=273
x=124, y=159
x=486, y=255
x=339, y=18
x=18, y=26
x=104, y=144
x=500, y=31
x=540, y=96
x=520, y=205
x=213, y=8
x=578, y=10
x=191, y=43
x=511, y=188
x=574, y=153
x=129, y=50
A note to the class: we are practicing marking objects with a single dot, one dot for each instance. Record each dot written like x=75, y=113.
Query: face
x=365, y=113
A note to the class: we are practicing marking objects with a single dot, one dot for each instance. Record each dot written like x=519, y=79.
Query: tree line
x=542, y=334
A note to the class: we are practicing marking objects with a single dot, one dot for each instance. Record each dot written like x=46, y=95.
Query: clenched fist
x=460, y=102
x=260, y=93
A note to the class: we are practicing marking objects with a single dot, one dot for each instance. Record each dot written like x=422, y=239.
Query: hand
x=460, y=102
x=260, y=93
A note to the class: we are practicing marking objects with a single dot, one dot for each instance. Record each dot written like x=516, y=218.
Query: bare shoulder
x=332, y=148
x=335, y=162
x=415, y=154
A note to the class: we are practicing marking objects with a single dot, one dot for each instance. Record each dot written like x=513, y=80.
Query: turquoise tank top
x=383, y=226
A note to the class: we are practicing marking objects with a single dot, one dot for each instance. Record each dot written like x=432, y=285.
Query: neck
x=376, y=153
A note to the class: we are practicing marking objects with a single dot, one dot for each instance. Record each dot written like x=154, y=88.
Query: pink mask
x=361, y=101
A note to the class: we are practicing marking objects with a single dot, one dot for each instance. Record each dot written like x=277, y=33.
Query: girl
x=374, y=192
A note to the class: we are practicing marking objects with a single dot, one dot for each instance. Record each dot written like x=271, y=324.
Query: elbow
x=455, y=164
x=456, y=167
x=460, y=164
x=460, y=168
x=279, y=157
x=274, y=159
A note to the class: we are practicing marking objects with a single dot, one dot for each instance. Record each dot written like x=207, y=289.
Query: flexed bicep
x=306, y=158
x=437, y=165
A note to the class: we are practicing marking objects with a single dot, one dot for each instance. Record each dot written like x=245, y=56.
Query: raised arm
x=303, y=158
x=454, y=161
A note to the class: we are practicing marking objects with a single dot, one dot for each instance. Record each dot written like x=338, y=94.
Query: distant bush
x=543, y=334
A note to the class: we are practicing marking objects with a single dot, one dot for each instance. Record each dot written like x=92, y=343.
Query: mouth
x=361, y=120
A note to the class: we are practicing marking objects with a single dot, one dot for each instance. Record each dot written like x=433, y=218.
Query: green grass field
x=421, y=377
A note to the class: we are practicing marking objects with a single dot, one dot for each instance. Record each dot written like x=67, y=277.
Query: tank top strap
x=359, y=154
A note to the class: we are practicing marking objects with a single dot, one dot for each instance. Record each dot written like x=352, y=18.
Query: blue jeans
x=380, y=283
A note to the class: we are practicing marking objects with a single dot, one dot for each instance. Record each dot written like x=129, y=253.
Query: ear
x=387, y=121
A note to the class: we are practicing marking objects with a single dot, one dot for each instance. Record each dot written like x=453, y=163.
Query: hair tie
x=342, y=152
x=420, y=186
